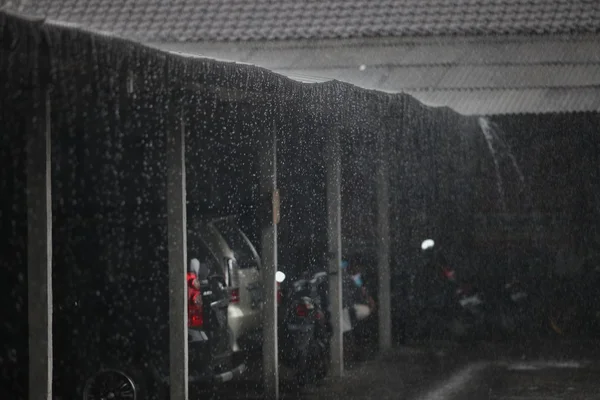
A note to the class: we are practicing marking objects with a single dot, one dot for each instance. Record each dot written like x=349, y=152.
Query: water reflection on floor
x=519, y=371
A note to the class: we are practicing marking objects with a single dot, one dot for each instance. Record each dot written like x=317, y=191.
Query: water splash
x=501, y=151
x=488, y=134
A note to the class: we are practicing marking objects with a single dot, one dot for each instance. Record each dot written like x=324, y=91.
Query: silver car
x=242, y=266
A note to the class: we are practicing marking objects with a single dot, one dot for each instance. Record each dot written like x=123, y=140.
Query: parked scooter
x=303, y=329
x=503, y=307
x=442, y=306
x=513, y=309
x=498, y=307
x=357, y=307
x=574, y=308
x=493, y=311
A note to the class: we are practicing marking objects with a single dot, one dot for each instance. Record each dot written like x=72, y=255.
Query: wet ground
x=501, y=371
x=548, y=370
x=543, y=380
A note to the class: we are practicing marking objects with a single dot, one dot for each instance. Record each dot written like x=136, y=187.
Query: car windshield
x=239, y=244
x=197, y=248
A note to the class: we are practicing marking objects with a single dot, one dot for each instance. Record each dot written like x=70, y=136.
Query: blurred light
x=279, y=276
x=427, y=244
x=234, y=295
x=302, y=310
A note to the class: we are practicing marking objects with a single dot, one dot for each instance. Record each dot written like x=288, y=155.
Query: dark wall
x=558, y=154
x=13, y=227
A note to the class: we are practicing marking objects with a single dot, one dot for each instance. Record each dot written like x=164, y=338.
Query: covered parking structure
x=110, y=147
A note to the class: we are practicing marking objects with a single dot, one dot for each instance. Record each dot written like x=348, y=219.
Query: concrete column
x=177, y=228
x=269, y=195
x=334, y=233
x=39, y=248
x=383, y=240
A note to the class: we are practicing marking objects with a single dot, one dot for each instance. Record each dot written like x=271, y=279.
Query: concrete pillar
x=39, y=248
x=177, y=242
x=334, y=233
x=383, y=241
x=269, y=194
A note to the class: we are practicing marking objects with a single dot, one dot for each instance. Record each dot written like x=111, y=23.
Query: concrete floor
x=520, y=371
x=544, y=380
x=550, y=370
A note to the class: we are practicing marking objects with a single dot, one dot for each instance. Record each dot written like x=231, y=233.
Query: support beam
x=177, y=228
x=334, y=234
x=268, y=187
x=39, y=248
x=383, y=240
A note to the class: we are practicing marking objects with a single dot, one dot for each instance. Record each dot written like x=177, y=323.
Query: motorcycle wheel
x=115, y=383
x=508, y=325
x=323, y=362
x=459, y=330
x=563, y=320
x=312, y=364
x=304, y=373
x=457, y=327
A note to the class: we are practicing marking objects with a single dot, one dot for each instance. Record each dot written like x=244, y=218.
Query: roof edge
x=387, y=41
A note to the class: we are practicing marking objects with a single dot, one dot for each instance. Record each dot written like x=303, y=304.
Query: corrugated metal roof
x=234, y=20
x=486, y=102
x=518, y=76
x=473, y=76
x=403, y=52
x=398, y=79
x=472, y=47
x=385, y=79
x=501, y=101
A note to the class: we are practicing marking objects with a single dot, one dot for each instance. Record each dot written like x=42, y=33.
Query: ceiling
x=474, y=76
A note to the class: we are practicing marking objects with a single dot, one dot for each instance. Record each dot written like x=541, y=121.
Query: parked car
x=241, y=265
x=126, y=356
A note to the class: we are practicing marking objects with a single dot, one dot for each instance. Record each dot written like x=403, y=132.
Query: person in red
x=195, y=315
x=192, y=276
x=192, y=280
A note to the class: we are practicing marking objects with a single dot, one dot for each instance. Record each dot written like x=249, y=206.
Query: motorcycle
x=356, y=321
x=303, y=329
x=515, y=308
x=574, y=308
x=490, y=308
x=506, y=307
x=495, y=311
x=440, y=304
